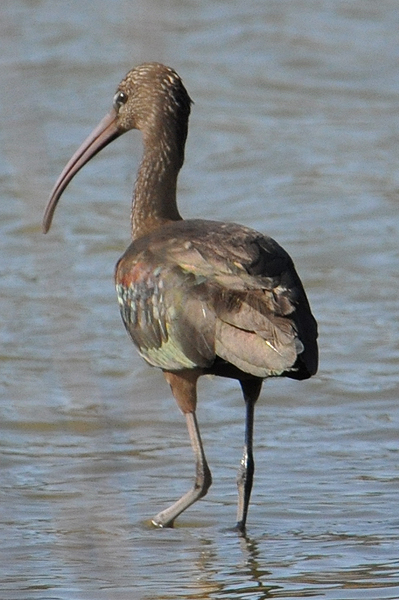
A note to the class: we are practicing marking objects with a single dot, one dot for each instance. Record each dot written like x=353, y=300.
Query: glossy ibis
x=197, y=297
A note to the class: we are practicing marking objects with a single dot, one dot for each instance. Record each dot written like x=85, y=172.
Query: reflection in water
x=249, y=577
x=296, y=116
x=244, y=577
x=254, y=570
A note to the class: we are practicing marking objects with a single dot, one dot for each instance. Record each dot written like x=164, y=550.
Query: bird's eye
x=120, y=98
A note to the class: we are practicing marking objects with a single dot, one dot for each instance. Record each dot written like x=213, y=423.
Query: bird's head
x=151, y=98
x=150, y=95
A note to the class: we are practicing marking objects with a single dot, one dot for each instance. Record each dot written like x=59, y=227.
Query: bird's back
x=202, y=293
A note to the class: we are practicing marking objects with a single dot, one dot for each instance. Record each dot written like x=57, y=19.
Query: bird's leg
x=183, y=386
x=202, y=482
x=251, y=390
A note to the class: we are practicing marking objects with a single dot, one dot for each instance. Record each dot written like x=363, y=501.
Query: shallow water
x=294, y=131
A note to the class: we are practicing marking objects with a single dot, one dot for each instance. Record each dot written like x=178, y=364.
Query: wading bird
x=196, y=296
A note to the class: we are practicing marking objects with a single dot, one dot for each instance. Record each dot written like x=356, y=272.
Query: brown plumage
x=197, y=296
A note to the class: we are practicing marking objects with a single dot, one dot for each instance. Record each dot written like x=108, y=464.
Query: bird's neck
x=154, y=199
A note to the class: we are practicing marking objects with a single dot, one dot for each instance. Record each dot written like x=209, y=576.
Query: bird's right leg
x=251, y=390
x=183, y=386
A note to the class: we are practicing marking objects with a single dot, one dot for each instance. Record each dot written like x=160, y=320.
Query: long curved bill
x=105, y=132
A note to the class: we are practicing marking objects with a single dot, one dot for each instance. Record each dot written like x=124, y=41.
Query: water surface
x=294, y=131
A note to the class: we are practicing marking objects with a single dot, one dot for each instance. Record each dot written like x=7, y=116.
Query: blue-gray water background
x=294, y=131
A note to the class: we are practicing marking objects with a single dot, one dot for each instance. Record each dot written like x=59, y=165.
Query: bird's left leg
x=251, y=390
x=184, y=384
